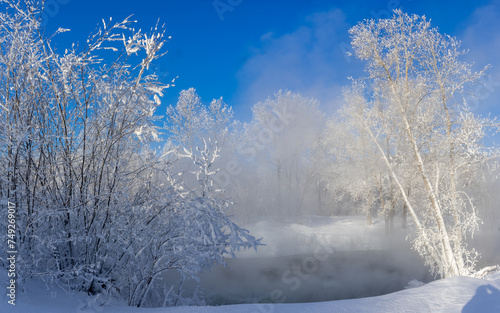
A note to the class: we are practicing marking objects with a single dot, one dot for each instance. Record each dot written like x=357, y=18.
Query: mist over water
x=327, y=258
x=312, y=215
x=295, y=279
x=322, y=259
x=487, y=243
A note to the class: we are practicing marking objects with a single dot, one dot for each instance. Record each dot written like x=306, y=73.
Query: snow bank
x=458, y=294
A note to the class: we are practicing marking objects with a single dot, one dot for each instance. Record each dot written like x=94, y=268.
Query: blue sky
x=245, y=50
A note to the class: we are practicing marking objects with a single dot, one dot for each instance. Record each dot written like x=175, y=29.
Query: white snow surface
x=458, y=294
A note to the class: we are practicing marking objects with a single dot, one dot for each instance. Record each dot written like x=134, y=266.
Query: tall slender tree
x=411, y=108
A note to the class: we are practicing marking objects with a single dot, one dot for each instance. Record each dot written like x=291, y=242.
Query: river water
x=312, y=277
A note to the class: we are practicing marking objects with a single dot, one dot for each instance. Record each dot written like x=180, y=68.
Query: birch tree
x=411, y=106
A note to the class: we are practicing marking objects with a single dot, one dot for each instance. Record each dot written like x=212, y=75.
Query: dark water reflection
x=313, y=277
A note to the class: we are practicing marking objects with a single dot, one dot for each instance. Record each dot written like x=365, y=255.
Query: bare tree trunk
x=431, y=249
x=451, y=265
x=369, y=220
x=404, y=216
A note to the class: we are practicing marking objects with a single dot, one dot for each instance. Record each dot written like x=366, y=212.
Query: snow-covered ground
x=459, y=294
x=318, y=242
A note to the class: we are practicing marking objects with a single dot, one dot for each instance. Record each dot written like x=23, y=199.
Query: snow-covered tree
x=96, y=209
x=354, y=172
x=277, y=152
x=201, y=135
x=412, y=110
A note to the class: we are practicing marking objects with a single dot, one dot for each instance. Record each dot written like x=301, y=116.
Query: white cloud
x=482, y=38
x=310, y=60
